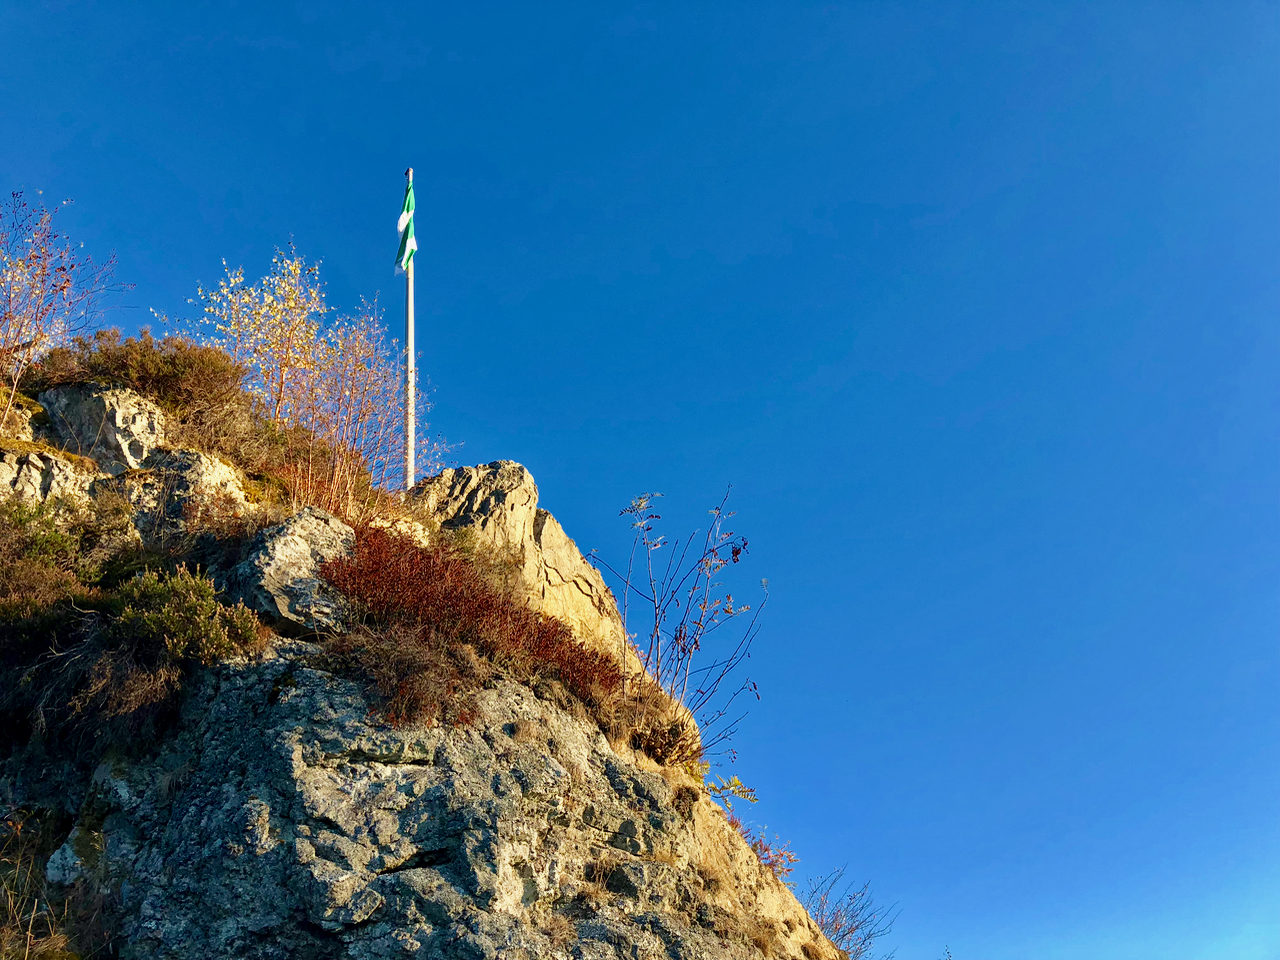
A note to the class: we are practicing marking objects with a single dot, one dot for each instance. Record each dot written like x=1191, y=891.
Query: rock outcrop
x=499, y=503
x=37, y=475
x=281, y=577
x=177, y=490
x=282, y=821
x=280, y=817
x=112, y=425
x=25, y=416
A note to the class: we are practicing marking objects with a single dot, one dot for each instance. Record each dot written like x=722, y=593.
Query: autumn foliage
x=332, y=386
x=438, y=622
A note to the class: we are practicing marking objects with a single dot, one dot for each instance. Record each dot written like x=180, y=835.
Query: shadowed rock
x=281, y=577
x=282, y=820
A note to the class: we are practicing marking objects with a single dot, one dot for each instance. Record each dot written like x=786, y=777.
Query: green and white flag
x=405, y=225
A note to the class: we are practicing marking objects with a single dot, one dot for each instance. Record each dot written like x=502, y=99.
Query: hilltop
x=240, y=724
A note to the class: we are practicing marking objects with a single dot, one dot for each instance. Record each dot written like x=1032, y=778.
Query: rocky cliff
x=279, y=816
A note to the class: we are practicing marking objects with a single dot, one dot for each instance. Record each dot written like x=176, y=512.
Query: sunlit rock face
x=281, y=577
x=114, y=426
x=36, y=475
x=499, y=503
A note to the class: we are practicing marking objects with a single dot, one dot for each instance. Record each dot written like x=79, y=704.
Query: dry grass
x=36, y=923
x=30, y=926
x=558, y=928
x=527, y=731
x=712, y=877
x=761, y=934
x=12, y=445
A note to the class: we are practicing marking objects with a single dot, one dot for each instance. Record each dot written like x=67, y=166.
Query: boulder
x=38, y=475
x=281, y=577
x=112, y=425
x=499, y=503
x=24, y=416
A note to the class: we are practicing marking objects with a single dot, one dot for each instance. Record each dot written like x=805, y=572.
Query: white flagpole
x=409, y=397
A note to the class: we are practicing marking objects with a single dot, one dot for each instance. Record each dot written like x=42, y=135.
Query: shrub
x=40, y=559
x=847, y=915
x=775, y=855
x=178, y=619
x=683, y=607
x=49, y=290
x=107, y=667
x=201, y=388
x=179, y=374
x=56, y=550
x=207, y=397
x=433, y=610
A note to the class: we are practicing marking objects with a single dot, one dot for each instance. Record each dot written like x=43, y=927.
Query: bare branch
x=49, y=290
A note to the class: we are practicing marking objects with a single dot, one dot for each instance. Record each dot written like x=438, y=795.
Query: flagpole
x=409, y=398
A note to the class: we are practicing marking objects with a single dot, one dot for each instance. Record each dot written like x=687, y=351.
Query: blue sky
x=974, y=304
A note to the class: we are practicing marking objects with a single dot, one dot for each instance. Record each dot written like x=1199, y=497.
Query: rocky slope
x=281, y=818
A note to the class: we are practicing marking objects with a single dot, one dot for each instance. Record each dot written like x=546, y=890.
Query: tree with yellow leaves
x=334, y=387
x=274, y=328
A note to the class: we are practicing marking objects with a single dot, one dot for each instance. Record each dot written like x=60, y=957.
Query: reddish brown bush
x=432, y=610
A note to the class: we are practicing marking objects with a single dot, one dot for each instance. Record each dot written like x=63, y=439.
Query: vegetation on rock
x=442, y=620
x=90, y=655
x=107, y=609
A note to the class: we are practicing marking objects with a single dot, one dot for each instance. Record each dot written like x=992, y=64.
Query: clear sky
x=975, y=305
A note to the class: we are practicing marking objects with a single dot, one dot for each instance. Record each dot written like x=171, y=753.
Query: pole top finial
x=408, y=174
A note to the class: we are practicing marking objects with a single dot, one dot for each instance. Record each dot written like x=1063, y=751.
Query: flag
x=405, y=225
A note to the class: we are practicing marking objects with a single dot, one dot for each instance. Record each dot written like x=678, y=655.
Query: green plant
x=180, y=615
x=106, y=667
x=722, y=789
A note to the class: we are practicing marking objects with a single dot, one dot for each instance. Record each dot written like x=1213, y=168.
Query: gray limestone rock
x=176, y=489
x=38, y=475
x=113, y=425
x=282, y=820
x=281, y=577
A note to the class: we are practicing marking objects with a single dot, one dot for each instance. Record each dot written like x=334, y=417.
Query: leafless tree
x=49, y=289
x=676, y=583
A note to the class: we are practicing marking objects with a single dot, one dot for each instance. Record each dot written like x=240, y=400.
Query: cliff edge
x=279, y=815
